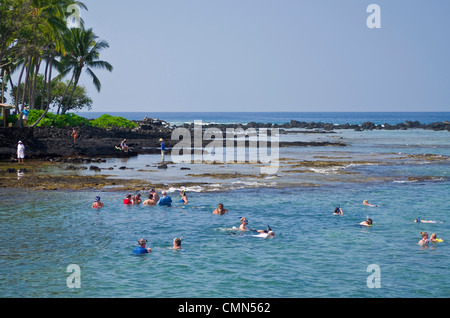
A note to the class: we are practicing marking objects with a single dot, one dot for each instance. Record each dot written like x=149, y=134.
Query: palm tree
x=83, y=52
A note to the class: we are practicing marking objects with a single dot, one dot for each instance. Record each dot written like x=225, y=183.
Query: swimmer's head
x=270, y=233
x=369, y=221
x=244, y=220
x=142, y=242
x=177, y=241
x=424, y=234
x=97, y=198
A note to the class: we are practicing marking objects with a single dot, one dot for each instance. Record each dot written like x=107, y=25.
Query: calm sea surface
x=313, y=254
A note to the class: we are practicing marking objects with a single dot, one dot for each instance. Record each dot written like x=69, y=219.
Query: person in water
x=128, y=199
x=243, y=226
x=177, y=243
x=165, y=200
x=220, y=210
x=425, y=239
x=423, y=221
x=365, y=202
x=142, y=248
x=265, y=233
x=97, y=203
x=367, y=222
x=338, y=211
x=155, y=195
x=434, y=239
x=150, y=200
x=137, y=199
x=183, y=198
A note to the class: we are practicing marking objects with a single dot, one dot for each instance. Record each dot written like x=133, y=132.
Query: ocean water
x=313, y=254
x=379, y=118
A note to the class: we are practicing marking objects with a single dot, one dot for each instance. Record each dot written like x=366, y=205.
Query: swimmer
x=338, y=211
x=425, y=239
x=434, y=239
x=367, y=222
x=183, y=198
x=137, y=199
x=177, y=243
x=150, y=200
x=142, y=248
x=365, y=202
x=243, y=226
x=165, y=200
x=265, y=233
x=155, y=195
x=220, y=210
x=97, y=204
x=128, y=200
x=423, y=221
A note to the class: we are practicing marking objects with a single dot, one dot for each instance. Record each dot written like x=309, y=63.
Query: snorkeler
x=243, y=226
x=367, y=222
x=183, y=198
x=365, y=202
x=423, y=221
x=338, y=211
x=265, y=233
x=142, y=248
x=97, y=204
x=128, y=200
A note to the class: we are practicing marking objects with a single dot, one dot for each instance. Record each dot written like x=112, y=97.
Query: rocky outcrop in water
x=56, y=143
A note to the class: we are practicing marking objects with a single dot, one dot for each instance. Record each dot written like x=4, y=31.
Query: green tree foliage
x=35, y=40
x=108, y=121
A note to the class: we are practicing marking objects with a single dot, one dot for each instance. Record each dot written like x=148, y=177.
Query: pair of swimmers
x=425, y=240
x=367, y=222
x=143, y=249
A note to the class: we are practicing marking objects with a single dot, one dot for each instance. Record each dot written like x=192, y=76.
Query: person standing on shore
x=25, y=114
x=20, y=152
x=163, y=149
x=74, y=135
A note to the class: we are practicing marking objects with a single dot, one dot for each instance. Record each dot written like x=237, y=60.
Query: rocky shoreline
x=56, y=144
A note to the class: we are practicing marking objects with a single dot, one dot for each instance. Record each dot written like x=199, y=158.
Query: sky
x=271, y=55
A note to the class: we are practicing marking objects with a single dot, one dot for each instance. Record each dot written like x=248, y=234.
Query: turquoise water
x=313, y=254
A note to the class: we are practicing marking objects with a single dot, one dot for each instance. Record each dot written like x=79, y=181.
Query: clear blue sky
x=271, y=55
